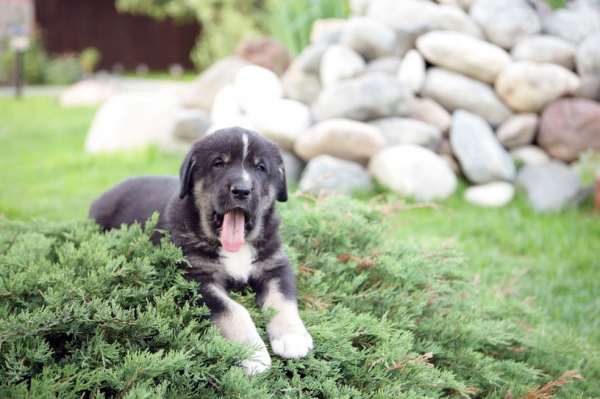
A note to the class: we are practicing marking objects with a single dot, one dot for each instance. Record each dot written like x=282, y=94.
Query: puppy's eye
x=218, y=163
x=260, y=167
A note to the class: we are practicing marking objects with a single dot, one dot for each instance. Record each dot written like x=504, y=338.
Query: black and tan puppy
x=221, y=213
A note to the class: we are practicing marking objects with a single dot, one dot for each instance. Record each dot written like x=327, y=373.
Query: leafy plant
x=62, y=70
x=88, y=59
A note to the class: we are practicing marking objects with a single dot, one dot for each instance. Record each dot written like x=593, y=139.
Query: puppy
x=220, y=212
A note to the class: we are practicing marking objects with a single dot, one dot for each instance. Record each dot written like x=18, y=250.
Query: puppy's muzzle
x=241, y=191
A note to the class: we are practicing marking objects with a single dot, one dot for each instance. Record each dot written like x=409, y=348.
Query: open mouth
x=234, y=224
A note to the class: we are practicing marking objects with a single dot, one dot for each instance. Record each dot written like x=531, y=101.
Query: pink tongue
x=232, y=234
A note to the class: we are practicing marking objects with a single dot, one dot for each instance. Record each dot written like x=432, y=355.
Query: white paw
x=258, y=363
x=292, y=345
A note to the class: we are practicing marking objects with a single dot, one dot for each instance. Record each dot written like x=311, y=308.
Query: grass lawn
x=551, y=260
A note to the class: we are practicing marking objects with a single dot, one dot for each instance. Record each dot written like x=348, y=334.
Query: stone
x=327, y=175
x=413, y=171
x=407, y=34
x=371, y=96
x=359, y=7
x=550, y=186
x=464, y=4
x=464, y=54
x=506, y=21
x=572, y=24
x=589, y=87
x=529, y=154
x=545, y=49
x=239, y=120
x=328, y=29
x=87, y=93
x=265, y=52
x=528, y=86
x=569, y=126
x=495, y=194
x=429, y=111
x=340, y=62
x=341, y=138
x=518, y=130
x=408, y=131
x=255, y=86
x=369, y=37
x=129, y=121
x=397, y=14
x=204, y=89
x=190, y=124
x=300, y=85
x=384, y=64
x=455, y=91
x=225, y=106
x=588, y=55
x=310, y=58
x=479, y=153
x=293, y=166
x=281, y=120
x=411, y=72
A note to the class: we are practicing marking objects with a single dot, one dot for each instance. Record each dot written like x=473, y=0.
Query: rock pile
x=411, y=92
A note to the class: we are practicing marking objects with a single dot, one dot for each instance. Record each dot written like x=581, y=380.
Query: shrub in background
x=88, y=59
x=34, y=62
x=97, y=315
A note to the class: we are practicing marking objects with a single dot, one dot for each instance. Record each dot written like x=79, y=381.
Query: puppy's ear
x=185, y=173
x=282, y=194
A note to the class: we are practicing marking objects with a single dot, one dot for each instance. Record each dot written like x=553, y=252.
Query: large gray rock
x=545, y=49
x=281, y=120
x=479, y=153
x=409, y=131
x=255, y=85
x=455, y=91
x=190, y=124
x=465, y=54
x=495, y=194
x=327, y=175
x=300, y=85
x=341, y=138
x=572, y=24
x=413, y=171
x=518, y=130
x=588, y=55
x=505, y=21
x=528, y=86
x=293, y=166
x=397, y=14
x=205, y=88
x=369, y=37
x=371, y=96
x=550, y=186
x=129, y=121
x=340, y=62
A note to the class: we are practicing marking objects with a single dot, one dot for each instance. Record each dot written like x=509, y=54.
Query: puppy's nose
x=240, y=191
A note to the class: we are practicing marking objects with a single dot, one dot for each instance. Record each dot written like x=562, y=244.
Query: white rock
x=281, y=121
x=409, y=131
x=545, y=49
x=494, y=194
x=429, y=111
x=572, y=24
x=369, y=37
x=529, y=155
x=528, y=86
x=241, y=121
x=340, y=62
x=341, y=138
x=413, y=171
x=505, y=21
x=588, y=55
x=518, y=129
x=255, y=85
x=455, y=91
x=129, y=121
x=465, y=54
x=479, y=153
x=384, y=64
x=412, y=71
x=300, y=85
x=88, y=93
x=226, y=106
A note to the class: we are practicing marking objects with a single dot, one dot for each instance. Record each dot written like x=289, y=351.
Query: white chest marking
x=238, y=265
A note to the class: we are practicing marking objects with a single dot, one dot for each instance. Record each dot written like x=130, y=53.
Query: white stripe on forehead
x=246, y=149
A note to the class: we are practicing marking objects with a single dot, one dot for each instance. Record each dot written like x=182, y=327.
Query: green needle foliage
x=108, y=315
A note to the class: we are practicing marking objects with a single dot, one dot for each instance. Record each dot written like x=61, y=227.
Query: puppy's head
x=234, y=175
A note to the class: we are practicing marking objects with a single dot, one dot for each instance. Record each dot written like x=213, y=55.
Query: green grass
x=550, y=260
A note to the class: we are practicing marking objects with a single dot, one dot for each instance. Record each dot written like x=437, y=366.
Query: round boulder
x=369, y=37
x=545, y=49
x=333, y=176
x=340, y=62
x=518, y=129
x=413, y=171
x=409, y=131
x=255, y=85
x=569, y=126
x=495, y=194
x=341, y=138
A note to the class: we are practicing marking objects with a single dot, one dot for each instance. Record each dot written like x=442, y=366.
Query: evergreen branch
x=38, y=330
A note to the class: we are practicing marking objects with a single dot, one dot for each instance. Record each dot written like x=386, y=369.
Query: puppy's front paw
x=259, y=363
x=291, y=345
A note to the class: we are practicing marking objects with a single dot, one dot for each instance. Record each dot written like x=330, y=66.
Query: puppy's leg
x=236, y=325
x=288, y=336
